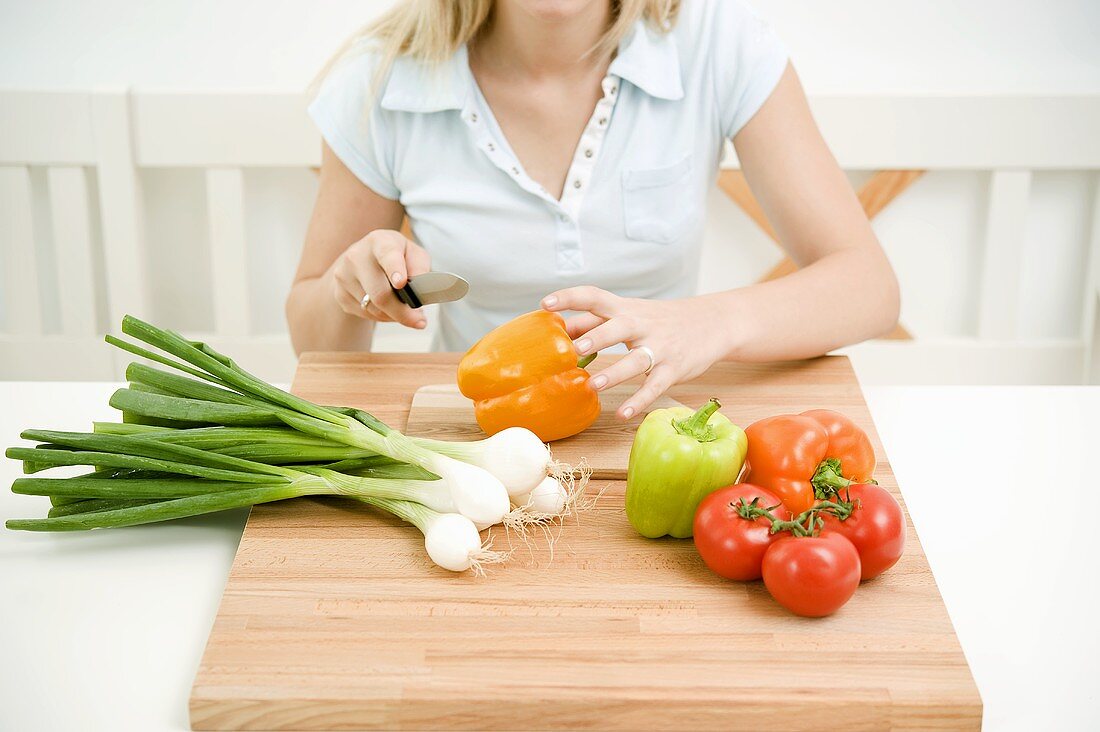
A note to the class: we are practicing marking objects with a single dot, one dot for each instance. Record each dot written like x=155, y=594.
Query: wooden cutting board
x=440, y=411
x=333, y=617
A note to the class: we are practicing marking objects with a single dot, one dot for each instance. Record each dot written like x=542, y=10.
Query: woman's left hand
x=685, y=336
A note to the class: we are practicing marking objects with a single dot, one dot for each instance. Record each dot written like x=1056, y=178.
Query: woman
x=558, y=153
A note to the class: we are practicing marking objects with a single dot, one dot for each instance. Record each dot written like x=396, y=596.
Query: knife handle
x=408, y=296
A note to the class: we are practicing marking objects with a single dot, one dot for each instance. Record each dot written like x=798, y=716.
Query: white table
x=104, y=630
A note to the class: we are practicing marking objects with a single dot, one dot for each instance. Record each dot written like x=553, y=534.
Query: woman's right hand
x=369, y=267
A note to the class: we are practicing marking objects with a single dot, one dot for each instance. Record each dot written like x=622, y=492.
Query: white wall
x=840, y=46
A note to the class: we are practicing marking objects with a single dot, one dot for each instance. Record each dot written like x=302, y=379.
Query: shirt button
x=491, y=147
x=588, y=153
x=576, y=184
x=515, y=170
x=614, y=89
x=603, y=121
x=563, y=218
x=473, y=116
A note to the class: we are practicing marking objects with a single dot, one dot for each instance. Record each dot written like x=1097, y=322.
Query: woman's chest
x=540, y=123
x=629, y=213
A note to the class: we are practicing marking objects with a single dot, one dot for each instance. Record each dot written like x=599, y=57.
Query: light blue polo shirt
x=631, y=217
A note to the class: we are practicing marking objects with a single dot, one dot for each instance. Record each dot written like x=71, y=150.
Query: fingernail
x=421, y=324
x=395, y=278
x=550, y=301
x=583, y=345
x=628, y=412
x=599, y=382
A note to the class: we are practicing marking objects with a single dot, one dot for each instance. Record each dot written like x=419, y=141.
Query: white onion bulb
x=516, y=456
x=548, y=497
x=474, y=492
x=452, y=541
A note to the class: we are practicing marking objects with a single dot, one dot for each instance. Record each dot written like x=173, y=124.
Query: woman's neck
x=537, y=46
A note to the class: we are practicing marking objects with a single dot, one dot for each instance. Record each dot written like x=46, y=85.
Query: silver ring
x=648, y=352
x=365, y=301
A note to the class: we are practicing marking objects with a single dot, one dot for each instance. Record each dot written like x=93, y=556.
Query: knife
x=432, y=287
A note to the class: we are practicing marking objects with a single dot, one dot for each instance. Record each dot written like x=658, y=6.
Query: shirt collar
x=648, y=59
x=415, y=86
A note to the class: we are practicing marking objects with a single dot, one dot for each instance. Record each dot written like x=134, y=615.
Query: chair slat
x=22, y=300
x=72, y=237
x=228, y=250
x=1090, y=320
x=121, y=205
x=1009, y=193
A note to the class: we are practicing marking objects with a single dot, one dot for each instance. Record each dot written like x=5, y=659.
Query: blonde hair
x=432, y=30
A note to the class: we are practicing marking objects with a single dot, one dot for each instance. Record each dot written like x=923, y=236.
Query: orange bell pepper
x=526, y=374
x=795, y=454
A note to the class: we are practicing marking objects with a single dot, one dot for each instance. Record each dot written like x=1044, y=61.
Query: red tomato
x=730, y=545
x=812, y=575
x=876, y=528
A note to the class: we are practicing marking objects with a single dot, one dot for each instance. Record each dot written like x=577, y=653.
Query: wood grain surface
x=440, y=411
x=333, y=617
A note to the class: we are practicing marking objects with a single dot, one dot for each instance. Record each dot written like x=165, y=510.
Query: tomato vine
x=807, y=523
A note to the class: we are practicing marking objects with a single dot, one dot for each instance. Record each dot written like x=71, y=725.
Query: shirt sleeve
x=347, y=112
x=749, y=60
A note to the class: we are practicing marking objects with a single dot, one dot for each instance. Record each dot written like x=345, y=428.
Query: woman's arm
x=845, y=291
x=352, y=248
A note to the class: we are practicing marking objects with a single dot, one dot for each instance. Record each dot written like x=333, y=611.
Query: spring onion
x=515, y=456
x=472, y=488
x=549, y=497
x=223, y=473
x=208, y=436
x=451, y=540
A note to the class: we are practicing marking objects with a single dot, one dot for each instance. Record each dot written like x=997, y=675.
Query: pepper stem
x=829, y=479
x=585, y=360
x=696, y=425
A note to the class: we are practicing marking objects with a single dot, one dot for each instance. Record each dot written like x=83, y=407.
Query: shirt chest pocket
x=657, y=202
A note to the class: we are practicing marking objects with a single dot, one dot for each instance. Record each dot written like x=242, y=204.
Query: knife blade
x=432, y=287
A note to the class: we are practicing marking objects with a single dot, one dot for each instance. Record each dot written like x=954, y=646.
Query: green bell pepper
x=677, y=459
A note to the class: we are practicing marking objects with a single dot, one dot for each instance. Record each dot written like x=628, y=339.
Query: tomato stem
x=585, y=360
x=841, y=509
x=807, y=523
